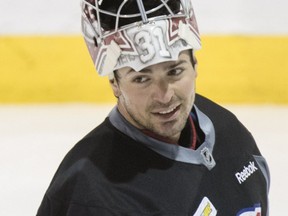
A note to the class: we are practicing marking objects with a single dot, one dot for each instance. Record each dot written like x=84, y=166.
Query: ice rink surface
x=35, y=138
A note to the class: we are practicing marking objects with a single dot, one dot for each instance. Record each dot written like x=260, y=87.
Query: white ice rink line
x=34, y=139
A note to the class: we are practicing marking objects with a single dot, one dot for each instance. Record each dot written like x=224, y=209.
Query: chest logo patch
x=209, y=161
x=253, y=211
x=206, y=208
x=246, y=172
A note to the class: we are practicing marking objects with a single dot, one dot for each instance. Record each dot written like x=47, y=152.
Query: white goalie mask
x=137, y=33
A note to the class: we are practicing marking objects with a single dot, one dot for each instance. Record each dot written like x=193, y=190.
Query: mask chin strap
x=142, y=11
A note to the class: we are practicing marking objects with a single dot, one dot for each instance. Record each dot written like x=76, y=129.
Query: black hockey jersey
x=117, y=170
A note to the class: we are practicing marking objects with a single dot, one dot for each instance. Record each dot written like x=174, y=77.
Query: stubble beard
x=171, y=129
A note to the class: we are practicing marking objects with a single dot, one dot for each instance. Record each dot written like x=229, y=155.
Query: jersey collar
x=202, y=155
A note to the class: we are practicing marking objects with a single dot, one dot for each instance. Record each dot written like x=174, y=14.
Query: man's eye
x=140, y=79
x=175, y=72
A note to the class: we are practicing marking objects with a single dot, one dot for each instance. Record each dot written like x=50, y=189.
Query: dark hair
x=192, y=59
x=131, y=7
x=116, y=75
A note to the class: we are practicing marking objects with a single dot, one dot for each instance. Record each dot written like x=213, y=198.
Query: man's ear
x=115, y=87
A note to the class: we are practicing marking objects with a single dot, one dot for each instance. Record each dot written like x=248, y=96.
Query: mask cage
x=96, y=32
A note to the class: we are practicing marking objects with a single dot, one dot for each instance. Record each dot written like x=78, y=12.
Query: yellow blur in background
x=58, y=69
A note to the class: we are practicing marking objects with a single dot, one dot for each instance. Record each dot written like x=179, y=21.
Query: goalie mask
x=137, y=33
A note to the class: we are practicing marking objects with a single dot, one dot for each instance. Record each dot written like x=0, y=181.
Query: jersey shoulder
x=234, y=137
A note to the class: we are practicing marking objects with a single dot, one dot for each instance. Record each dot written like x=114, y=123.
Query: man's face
x=158, y=98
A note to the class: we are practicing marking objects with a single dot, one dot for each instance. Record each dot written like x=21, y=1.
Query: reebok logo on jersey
x=246, y=172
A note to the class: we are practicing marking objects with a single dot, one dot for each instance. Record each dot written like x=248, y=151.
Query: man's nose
x=163, y=92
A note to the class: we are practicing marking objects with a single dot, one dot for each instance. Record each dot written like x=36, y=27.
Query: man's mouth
x=167, y=113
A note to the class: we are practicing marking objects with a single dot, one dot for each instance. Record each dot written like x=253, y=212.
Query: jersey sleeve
x=262, y=163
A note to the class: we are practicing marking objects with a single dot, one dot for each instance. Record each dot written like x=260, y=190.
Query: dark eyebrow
x=147, y=70
x=176, y=64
